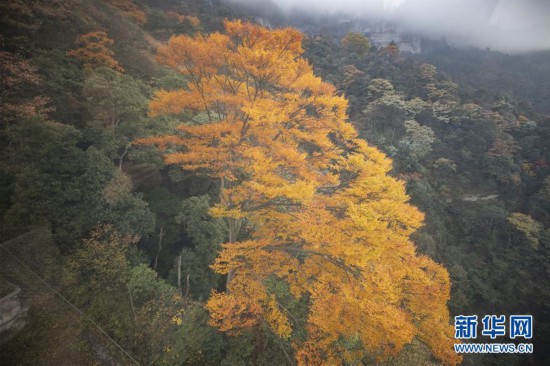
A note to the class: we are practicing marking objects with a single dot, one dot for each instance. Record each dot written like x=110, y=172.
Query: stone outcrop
x=12, y=315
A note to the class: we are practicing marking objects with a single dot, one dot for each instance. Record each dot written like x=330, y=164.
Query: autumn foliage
x=180, y=18
x=307, y=202
x=94, y=51
x=16, y=74
x=130, y=9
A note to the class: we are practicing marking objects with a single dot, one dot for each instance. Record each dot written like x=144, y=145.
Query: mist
x=509, y=26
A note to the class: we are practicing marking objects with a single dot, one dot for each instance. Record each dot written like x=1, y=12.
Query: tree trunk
x=230, y=276
x=179, y=275
x=121, y=158
x=159, y=248
x=187, y=286
x=132, y=303
x=234, y=226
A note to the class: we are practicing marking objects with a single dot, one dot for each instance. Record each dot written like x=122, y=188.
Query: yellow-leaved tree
x=308, y=203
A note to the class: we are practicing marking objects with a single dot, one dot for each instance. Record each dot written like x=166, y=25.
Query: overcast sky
x=505, y=25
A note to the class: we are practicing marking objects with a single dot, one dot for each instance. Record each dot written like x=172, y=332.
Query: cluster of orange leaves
x=94, y=51
x=181, y=18
x=322, y=212
x=15, y=73
x=503, y=147
x=129, y=9
x=391, y=51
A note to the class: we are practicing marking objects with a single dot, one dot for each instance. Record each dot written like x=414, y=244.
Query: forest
x=181, y=185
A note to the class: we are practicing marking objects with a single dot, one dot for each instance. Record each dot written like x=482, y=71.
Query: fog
x=505, y=25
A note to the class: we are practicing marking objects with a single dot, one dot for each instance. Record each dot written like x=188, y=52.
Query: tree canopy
x=308, y=204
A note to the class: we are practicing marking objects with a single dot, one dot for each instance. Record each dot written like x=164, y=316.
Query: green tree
x=206, y=233
x=356, y=42
x=127, y=210
x=113, y=97
x=418, y=139
x=56, y=182
x=531, y=228
x=116, y=104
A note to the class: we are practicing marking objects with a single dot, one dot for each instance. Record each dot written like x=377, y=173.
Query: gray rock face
x=379, y=33
x=383, y=35
x=478, y=197
x=12, y=315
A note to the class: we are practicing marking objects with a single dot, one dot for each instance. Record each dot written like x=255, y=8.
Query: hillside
x=115, y=222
